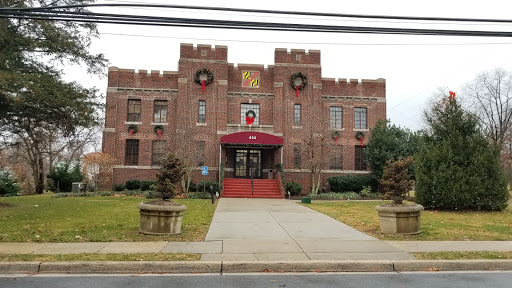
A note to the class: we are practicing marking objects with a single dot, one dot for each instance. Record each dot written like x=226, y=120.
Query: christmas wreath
x=302, y=85
x=250, y=119
x=335, y=135
x=159, y=130
x=132, y=129
x=209, y=77
x=360, y=136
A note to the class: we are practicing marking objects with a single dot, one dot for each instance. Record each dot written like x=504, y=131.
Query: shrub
x=198, y=195
x=294, y=188
x=352, y=183
x=63, y=175
x=8, y=185
x=146, y=185
x=150, y=194
x=119, y=187
x=204, y=186
x=396, y=180
x=133, y=184
x=335, y=196
x=171, y=172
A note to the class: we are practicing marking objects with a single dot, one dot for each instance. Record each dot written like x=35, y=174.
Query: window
x=360, y=158
x=247, y=107
x=159, y=151
x=296, y=115
x=336, y=158
x=132, y=153
x=200, y=156
x=133, y=110
x=296, y=156
x=336, y=117
x=360, y=118
x=202, y=111
x=160, y=111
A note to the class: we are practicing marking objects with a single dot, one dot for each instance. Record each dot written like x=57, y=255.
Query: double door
x=248, y=162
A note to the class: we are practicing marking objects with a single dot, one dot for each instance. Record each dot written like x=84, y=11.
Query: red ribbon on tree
x=452, y=95
x=131, y=131
x=159, y=132
x=297, y=92
x=249, y=120
x=203, y=84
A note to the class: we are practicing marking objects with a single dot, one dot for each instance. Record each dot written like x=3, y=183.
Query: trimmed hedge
x=294, y=188
x=205, y=184
x=349, y=183
x=146, y=185
x=335, y=196
x=133, y=184
x=119, y=187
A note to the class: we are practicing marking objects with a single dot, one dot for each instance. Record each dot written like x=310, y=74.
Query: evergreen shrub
x=347, y=183
x=294, y=188
x=133, y=184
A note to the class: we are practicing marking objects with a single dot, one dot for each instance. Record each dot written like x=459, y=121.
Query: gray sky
x=413, y=66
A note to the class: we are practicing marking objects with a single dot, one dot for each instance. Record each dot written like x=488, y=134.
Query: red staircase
x=241, y=188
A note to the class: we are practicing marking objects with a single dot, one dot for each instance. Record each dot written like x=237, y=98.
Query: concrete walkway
x=280, y=230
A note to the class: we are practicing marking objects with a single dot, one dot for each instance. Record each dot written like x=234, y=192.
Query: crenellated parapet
x=296, y=56
x=203, y=52
x=130, y=78
x=354, y=87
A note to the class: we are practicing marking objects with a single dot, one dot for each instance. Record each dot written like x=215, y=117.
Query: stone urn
x=401, y=219
x=161, y=217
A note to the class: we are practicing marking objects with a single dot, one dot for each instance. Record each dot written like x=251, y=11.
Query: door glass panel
x=255, y=164
x=241, y=163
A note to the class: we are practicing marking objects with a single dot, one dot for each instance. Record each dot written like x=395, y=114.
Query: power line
x=265, y=11
x=88, y=17
x=309, y=43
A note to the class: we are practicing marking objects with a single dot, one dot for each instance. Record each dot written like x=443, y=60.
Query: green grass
x=41, y=218
x=435, y=226
x=100, y=257
x=463, y=255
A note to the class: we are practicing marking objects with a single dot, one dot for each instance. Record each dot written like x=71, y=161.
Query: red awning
x=251, y=138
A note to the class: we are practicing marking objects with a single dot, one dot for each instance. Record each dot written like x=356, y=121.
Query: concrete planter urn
x=161, y=217
x=401, y=219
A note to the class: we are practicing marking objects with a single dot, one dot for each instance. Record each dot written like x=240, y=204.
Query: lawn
x=435, y=226
x=41, y=218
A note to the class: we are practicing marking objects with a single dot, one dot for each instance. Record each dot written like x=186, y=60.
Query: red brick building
x=202, y=110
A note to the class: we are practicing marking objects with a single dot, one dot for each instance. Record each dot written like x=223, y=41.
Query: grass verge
x=435, y=226
x=40, y=218
x=463, y=255
x=101, y=257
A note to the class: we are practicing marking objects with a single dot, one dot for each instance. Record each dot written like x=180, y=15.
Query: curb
x=219, y=267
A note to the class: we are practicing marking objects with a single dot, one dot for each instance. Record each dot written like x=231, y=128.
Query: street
x=476, y=279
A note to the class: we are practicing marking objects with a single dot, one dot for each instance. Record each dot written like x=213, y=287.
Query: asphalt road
x=345, y=280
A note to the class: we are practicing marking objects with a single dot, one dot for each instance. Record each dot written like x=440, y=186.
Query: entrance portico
x=246, y=154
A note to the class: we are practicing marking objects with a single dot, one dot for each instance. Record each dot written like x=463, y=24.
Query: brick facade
x=224, y=97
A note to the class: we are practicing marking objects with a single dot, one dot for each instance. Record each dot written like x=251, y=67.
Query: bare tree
x=489, y=96
x=192, y=155
x=317, y=155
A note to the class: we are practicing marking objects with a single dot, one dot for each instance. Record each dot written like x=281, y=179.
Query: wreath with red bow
x=250, y=119
x=302, y=85
x=159, y=130
x=209, y=77
x=335, y=135
x=360, y=136
x=132, y=129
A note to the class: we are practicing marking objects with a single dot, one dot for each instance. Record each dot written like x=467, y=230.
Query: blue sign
x=205, y=170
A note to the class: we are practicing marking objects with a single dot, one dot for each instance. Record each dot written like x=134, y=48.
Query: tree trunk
x=39, y=181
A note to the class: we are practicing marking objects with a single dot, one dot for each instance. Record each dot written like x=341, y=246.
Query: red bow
x=452, y=95
x=131, y=131
x=203, y=84
x=249, y=120
x=362, y=141
x=336, y=140
x=159, y=132
x=297, y=93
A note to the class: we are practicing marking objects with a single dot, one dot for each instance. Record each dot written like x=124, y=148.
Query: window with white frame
x=336, y=117
x=296, y=115
x=360, y=118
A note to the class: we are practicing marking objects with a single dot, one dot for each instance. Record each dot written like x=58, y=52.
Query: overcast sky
x=413, y=66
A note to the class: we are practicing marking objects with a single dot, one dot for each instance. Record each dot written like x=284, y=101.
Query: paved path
x=278, y=229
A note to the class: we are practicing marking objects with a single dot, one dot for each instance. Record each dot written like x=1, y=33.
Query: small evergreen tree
x=456, y=166
x=8, y=184
x=62, y=176
x=388, y=141
x=396, y=180
x=172, y=171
